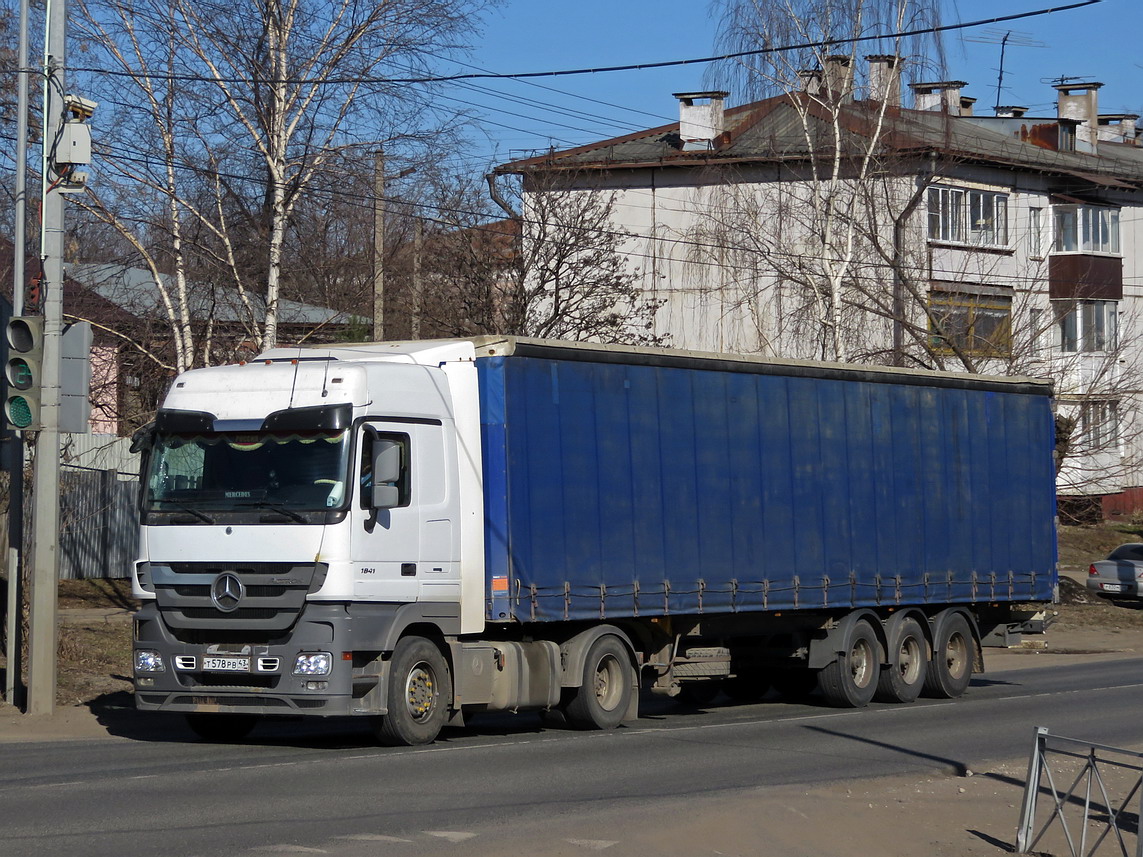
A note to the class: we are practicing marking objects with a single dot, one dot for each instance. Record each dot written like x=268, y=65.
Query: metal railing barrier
x=1098, y=774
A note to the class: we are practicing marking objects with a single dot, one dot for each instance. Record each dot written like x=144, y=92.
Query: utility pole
x=43, y=642
x=379, y=245
x=418, y=286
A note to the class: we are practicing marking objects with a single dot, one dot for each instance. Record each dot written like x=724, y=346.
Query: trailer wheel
x=950, y=670
x=851, y=680
x=418, y=695
x=602, y=700
x=222, y=728
x=908, y=662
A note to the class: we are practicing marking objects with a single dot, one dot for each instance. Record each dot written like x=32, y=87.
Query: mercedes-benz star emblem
x=226, y=592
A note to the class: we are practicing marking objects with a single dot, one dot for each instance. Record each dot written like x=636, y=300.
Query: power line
x=825, y=43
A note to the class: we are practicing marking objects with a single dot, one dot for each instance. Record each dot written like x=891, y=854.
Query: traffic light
x=24, y=336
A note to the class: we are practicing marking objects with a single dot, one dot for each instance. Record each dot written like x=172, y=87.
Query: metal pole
x=378, y=245
x=14, y=458
x=1031, y=791
x=43, y=641
x=418, y=286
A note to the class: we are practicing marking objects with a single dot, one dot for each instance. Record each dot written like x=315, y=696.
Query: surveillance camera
x=80, y=107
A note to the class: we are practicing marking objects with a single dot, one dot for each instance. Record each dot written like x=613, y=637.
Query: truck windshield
x=240, y=471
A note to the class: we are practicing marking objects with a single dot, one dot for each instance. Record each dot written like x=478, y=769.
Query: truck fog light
x=313, y=663
x=149, y=661
x=317, y=685
x=145, y=682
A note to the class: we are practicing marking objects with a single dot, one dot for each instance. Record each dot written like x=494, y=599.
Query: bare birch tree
x=232, y=112
x=823, y=199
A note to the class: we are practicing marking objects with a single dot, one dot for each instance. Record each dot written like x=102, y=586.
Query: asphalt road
x=322, y=788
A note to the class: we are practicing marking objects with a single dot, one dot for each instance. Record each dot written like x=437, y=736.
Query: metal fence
x=99, y=524
x=1082, y=792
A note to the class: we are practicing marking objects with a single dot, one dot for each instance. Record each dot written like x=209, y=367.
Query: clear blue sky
x=1099, y=42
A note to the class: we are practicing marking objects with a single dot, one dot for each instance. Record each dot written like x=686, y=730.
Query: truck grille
x=266, y=597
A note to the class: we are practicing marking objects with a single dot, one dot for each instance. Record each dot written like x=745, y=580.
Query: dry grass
x=94, y=660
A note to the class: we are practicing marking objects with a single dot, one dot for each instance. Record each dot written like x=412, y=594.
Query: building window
x=968, y=216
x=1035, y=231
x=1089, y=326
x=1085, y=229
x=972, y=324
x=1099, y=425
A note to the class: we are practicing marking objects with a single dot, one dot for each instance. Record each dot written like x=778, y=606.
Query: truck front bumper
x=236, y=676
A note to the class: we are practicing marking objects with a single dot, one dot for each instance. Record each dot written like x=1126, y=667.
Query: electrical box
x=75, y=144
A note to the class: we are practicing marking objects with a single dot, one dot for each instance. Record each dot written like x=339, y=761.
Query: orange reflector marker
x=347, y=656
x=500, y=584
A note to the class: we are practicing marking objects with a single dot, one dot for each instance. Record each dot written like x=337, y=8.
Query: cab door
x=410, y=551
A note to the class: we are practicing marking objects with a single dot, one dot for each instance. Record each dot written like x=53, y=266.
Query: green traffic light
x=19, y=412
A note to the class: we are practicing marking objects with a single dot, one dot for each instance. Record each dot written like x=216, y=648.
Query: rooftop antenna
x=1004, y=38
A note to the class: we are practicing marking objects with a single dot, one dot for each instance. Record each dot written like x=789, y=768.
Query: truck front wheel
x=418, y=695
x=601, y=701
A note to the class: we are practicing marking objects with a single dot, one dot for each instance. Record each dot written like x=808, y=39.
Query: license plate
x=1112, y=587
x=213, y=663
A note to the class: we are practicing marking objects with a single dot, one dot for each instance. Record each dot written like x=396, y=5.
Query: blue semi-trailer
x=418, y=531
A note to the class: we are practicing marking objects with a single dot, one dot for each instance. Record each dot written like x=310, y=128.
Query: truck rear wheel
x=222, y=728
x=601, y=701
x=908, y=662
x=950, y=670
x=851, y=680
x=418, y=695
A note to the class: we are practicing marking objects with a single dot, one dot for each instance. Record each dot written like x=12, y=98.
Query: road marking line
x=593, y=844
x=373, y=837
x=450, y=835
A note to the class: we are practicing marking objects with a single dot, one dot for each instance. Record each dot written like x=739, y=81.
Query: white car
x=1120, y=574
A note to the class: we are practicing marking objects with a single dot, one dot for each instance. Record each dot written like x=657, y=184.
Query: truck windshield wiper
x=195, y=512
x=281, y=510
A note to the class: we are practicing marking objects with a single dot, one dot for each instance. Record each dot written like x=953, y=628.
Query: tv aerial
x=1004, y=38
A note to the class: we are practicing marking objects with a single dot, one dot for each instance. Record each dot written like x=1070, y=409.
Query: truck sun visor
x=327, y=417
x=183, y=421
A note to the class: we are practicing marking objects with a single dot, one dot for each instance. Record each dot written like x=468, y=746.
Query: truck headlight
x=313, y=663
x=149, y=661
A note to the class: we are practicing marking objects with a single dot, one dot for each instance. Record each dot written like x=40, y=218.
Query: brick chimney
x=1079, y=102
x=1119, y=128
x=838, y=76
x=939, y=96
x=700, y=119
x=811, y=80
x=885, y=78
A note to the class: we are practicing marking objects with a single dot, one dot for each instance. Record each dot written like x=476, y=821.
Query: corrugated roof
x=135, y=290
x=773, y=130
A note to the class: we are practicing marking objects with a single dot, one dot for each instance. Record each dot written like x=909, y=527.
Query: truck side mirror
x=386, y=473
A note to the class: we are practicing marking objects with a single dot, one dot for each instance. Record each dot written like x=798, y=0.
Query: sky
x=1099, y=42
